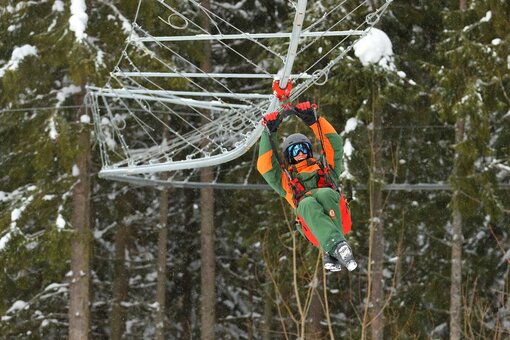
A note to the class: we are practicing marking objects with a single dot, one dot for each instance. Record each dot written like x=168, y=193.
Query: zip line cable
x=190, y=114
x=41, y=108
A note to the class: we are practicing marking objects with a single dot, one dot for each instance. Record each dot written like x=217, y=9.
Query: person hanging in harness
x=308, y=185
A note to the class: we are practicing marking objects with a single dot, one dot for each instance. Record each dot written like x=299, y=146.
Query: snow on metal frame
x=137, y=91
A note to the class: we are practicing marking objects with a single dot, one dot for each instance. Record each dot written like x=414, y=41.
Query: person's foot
x=343, y=254
x=331, y=264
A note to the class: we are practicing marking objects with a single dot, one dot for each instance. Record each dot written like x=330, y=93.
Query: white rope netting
x=167, y=108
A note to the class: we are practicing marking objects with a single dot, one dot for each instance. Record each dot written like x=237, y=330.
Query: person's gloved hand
x=306, y=112
x=272, y=121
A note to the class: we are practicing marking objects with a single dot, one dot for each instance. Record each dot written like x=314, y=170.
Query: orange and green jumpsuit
x=318, y=211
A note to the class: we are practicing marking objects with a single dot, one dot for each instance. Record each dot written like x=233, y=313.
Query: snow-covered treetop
x=18, y=54
x=375, y=48
x=78, y=19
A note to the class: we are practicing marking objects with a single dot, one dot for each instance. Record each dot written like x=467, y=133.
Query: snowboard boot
x=331, y=264
x=343, y=254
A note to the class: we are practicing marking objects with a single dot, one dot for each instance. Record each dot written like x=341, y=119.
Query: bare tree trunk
x=456, y=278
x=372, y=4
x=377, y=255
x=186, y=299
x=268, y=313
x=316, y=314
x=457, y=241
x=208, y=260
x=185, y=305
x=506, y=292
x=161, y=265
x=120, y=284
x=208, y=272
x=376, y=251
x=79, y=288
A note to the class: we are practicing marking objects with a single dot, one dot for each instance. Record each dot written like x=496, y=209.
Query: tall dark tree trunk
x=457, y=238
x=161, y=265
x=187, y=302
x=120, y=283
x=456, y=277
x=316, y=315
x=79, y=288
x=376, y=301
x=457, y=241
x=188, y=254
x=377, y=256
x=372, y=5
x=268, y=312
x=208, y=260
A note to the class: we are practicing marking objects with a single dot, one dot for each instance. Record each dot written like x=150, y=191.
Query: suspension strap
x=278, y=158
x=283, y=96
x=344, y=205
x=324, y=158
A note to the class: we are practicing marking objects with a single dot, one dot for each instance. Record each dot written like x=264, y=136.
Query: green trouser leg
x=321, y=212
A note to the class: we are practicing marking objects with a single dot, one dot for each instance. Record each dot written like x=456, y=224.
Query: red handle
x=282, y=93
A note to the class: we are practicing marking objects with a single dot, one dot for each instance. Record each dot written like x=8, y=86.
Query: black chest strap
x=299, y=189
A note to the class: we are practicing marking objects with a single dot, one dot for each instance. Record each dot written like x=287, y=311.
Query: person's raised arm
x=331, y=141
x=267, y=163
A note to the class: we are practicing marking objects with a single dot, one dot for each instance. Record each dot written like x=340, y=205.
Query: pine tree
x=456, y=68
x=40, y=173
x=405, y=131
x=473, y=87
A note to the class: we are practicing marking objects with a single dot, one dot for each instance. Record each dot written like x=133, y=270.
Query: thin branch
x=326, y=303
x=498, y=241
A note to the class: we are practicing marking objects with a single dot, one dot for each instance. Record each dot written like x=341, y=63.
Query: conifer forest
x=212, y=252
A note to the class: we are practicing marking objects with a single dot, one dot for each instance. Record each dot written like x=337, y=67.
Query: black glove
x=306, y=112
x=272, y=121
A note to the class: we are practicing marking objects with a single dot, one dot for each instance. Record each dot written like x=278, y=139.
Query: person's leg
x=330, y=202
x=319, y=224
x=329, y=199
x=331, y=263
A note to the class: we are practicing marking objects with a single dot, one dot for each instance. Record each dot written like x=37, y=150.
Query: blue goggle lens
x=295, y=149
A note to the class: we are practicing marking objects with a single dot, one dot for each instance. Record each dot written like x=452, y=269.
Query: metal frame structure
x=241, y=104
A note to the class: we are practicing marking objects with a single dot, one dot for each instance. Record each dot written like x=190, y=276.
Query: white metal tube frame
x=252, y=137
x=288, y=35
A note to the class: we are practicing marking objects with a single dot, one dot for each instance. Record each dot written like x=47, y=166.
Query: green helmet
x=295, y=139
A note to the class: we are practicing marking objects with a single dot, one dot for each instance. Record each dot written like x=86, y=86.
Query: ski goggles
x=295, y=149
